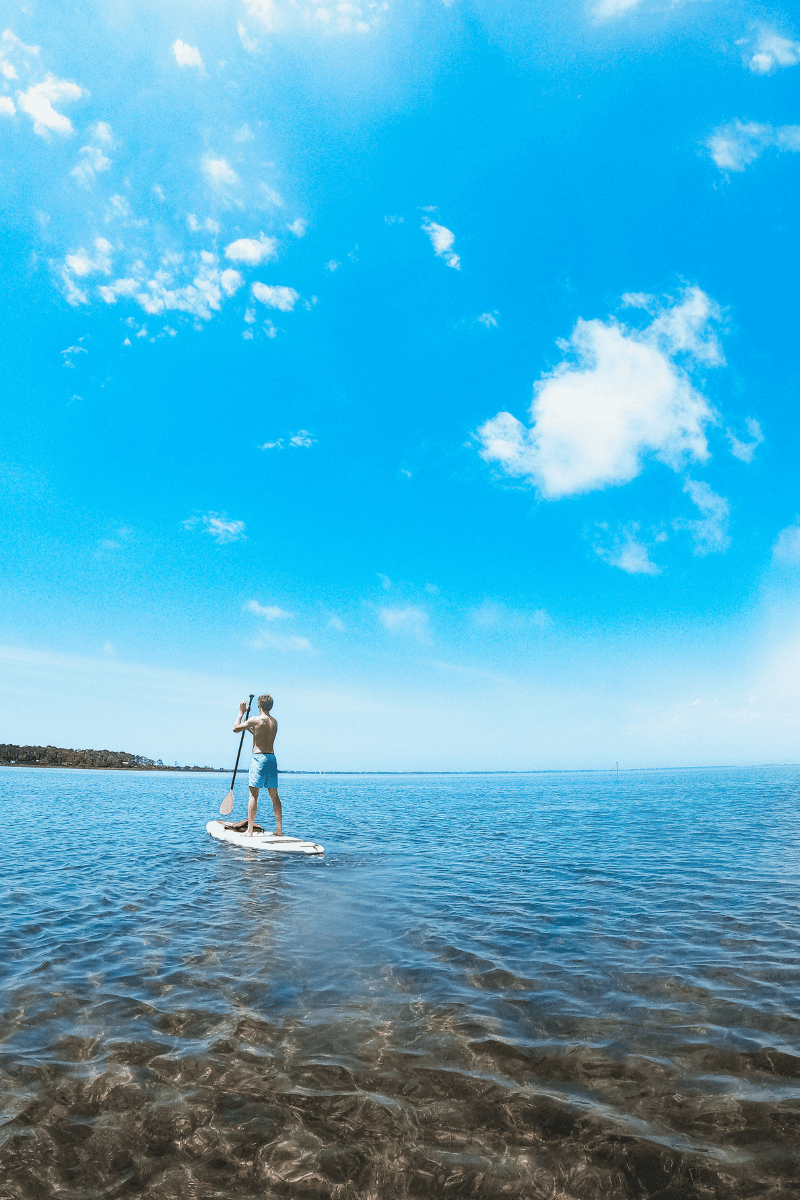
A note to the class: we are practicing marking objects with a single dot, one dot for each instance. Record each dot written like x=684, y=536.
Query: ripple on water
x=553, y=986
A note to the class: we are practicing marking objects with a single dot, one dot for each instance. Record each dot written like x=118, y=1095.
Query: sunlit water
x=531, y=985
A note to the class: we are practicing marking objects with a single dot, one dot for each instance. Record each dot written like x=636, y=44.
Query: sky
x=432, y=366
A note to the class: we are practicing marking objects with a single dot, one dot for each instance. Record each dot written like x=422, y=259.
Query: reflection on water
x=544, y=985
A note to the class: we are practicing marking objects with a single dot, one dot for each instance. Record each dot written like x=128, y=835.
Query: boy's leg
x=277, y=809
x=252, y=805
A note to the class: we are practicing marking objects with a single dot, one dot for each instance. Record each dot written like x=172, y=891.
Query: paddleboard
x=263, y=840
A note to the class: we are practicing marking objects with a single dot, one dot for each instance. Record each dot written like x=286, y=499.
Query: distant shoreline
x=44, y=766
x=527, y=771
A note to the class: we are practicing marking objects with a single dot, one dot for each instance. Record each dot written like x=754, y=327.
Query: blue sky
x=432, y=366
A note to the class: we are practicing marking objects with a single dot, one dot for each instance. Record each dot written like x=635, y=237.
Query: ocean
x=545, y=985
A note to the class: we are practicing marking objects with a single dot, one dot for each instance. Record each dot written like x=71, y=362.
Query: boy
x=263, y=765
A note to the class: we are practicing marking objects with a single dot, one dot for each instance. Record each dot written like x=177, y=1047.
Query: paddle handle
x=241, y=743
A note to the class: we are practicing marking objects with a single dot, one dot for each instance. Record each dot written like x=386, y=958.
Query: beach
x=532, y=985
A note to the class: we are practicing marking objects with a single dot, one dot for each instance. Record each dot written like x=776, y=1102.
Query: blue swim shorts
x=263, y=771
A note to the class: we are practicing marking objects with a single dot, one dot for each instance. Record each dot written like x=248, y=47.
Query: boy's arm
x=242, y=724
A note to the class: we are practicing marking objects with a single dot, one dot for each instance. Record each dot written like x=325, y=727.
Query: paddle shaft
x=241, y=743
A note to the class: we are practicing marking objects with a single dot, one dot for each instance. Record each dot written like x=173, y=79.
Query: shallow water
x=529, y=985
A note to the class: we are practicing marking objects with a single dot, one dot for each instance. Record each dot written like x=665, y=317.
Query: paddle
x=227, y=804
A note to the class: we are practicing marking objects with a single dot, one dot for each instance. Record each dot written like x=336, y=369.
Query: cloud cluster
x=624, y=395
x=746, y=450
x=274, y=16
x=38, y=103
x=442, y=241
x=186, y=56
x=606, y=10
x=20, y=63
x=162, y=291
x=252, y=250
x=282, y=298
x=219, y=527
x=735, y=145
x=93, y=160
x=269, y=611
x=219, y=173
x=624, y=548
x=301, y=440
x=710, y=531
x=787, y=546
x=768, y=51
x=145, y=270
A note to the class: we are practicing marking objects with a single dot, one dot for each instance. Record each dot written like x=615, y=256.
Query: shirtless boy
x=263, y=766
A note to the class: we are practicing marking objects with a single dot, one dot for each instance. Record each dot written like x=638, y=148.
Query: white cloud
x=746, y=450
x=710, y=531
x=623, y=397
x=298, y=227
x=332, y=265
x=231, y=281
x=282, y=298
x=82, y=263
x=787, y=546
x=442, y=240
x=770, y=51
x=488, y=319
x=210, y=225
x=623, y=549
x=270, y=611
x=336, y=623
x=218, y=527
x=338, y=17
x=218, y=172
x=7, y=106
x=250, y=44
x=606, y=10
x=92, y=162
x=410, y=620
x=252, y=250
x=342, y=17
x=735, y=145
x=38, y=103
x=186, y=56
x=12, y=47
x=202, y=296
x=266, y=12
x=302, y=439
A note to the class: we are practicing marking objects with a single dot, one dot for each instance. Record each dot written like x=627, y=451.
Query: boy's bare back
x=263, y=728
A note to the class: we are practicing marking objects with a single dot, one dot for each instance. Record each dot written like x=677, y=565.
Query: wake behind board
x=261, y=840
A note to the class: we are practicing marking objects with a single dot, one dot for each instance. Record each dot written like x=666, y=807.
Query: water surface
x=561, y=986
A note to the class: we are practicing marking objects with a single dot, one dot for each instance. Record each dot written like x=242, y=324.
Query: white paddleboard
x=263, y=841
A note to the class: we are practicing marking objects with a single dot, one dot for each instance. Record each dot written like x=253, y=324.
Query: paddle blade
x=227, y=805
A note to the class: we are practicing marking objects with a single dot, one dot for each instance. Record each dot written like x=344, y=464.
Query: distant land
x=114, y=760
